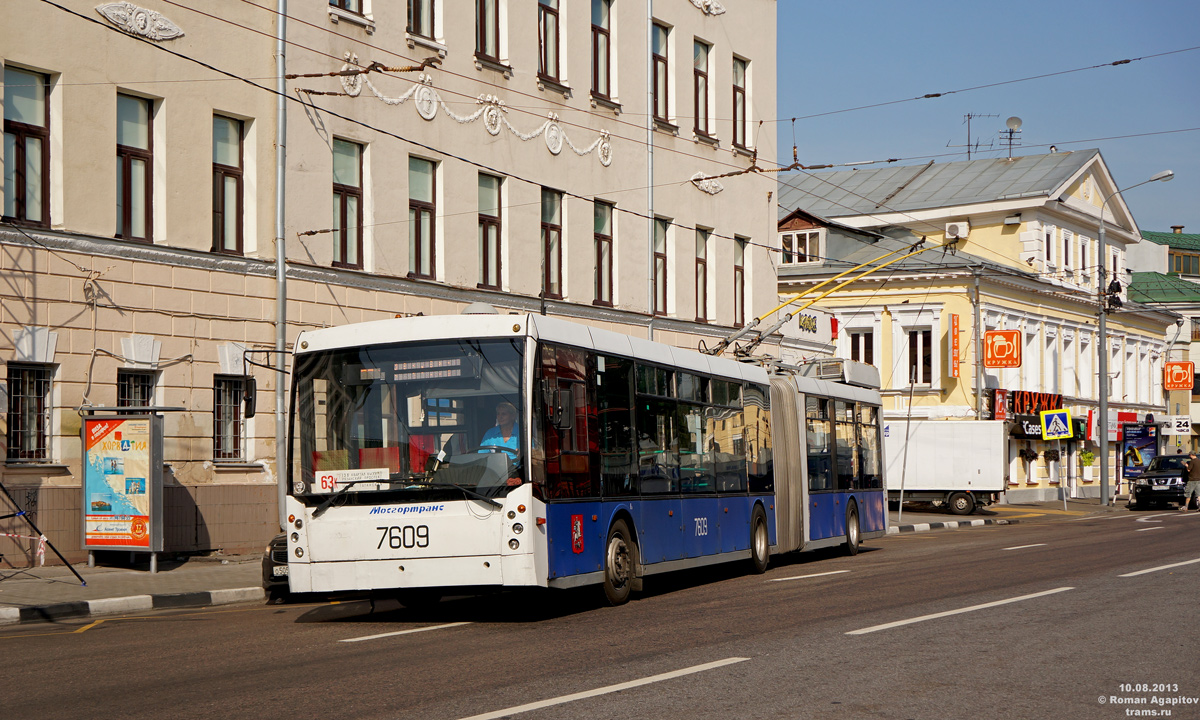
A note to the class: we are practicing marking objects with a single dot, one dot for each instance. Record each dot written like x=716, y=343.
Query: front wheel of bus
x=620, y=558
x=760, y=543
x=853, y=533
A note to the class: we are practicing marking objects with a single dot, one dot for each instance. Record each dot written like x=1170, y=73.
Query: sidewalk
x=52, y=592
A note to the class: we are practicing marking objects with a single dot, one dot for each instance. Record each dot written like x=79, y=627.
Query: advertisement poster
x=1138, y=448
x=120, y=488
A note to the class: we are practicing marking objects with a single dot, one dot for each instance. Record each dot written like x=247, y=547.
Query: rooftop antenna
x=1010, y=136
x=967, y=119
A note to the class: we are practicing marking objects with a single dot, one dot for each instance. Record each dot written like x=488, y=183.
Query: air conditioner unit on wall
x=958, y=230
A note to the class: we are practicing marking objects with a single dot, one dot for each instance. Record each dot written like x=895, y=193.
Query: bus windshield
x=413, y=418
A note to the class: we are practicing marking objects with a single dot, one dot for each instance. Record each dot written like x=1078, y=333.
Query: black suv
x=1162, y=482
x=275, y=568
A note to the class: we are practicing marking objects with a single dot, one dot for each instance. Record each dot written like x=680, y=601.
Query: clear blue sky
x=849, y=53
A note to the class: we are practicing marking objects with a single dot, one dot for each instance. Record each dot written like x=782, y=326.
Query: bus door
x=660, y=521
x=702, y=515
x=826, y=516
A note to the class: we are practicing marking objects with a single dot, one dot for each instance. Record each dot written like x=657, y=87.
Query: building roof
x=1153, y=287
x=1178, y=241
x=917, y=187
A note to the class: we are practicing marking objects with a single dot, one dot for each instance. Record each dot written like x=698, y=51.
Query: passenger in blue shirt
x=503, y=436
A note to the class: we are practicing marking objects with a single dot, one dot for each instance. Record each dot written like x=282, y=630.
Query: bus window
x=658, y=446
x=696, y=473
x=817, y=427
x=728, y=456
x=758, y=437
x=614, y=420
x=868, y=447
x=567, y=443
x=847, y=450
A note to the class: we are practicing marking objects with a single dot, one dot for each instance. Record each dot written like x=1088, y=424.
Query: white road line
x=802, y=577
x=1145, y=529
x=898, y=623
x=1161, y=567
x=1022, y=547
x=606, y=690
x=405, y=632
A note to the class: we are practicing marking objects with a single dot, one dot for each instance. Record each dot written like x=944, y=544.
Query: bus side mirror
x=564, y=409
x=250, y=396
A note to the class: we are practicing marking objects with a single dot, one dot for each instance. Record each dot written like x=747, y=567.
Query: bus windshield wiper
x=468, y=491
x=329, y=501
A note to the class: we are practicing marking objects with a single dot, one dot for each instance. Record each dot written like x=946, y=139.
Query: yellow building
x=1009, y=244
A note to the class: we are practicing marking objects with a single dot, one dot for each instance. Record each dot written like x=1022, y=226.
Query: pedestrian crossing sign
x=1056, y=424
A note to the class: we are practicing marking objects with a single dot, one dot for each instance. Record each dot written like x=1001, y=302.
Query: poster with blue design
x=119, y=493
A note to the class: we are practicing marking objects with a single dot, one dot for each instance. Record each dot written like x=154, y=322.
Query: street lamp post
x=1102, y=290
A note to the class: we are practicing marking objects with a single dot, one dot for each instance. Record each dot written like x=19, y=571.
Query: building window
x=28, y=412
x=702, y=275
x=659, y=58
x=487, y=29
x=1185, y=264
x=802, y=247
x=134, y=168
x=26, y=147
x=420, y=18
x=862, y=346
x=551, y=244
x=228, y=423
x=659, y=304
x=1067, y=238
x=739, y=102
x=347, y=203
x=601, y=48
x=354, y=6
x=739, y=282
x=548, y=39
x=920, y=356
x=604, y=253
x=421, y=213
x=135, y=388
x=1049, y=245
x=227, y=185
x=489, y=232
x=700, y=52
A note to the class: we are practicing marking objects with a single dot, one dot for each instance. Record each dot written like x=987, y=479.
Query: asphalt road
x=1028, y=621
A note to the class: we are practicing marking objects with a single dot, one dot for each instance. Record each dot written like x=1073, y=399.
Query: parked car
x=1161, y=483
x=275, y=568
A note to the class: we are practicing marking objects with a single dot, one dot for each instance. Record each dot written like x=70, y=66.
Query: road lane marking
x=607, y=689
x=1161, y=567
x=405, y=632
x=87, y=627
x=1145, y=529
x=1022, y=547
x=802, y=577
x=910, y=621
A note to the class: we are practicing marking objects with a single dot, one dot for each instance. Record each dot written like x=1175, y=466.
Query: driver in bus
x=503, y=435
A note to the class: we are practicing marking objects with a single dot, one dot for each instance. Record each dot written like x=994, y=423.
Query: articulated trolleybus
x=479, y=451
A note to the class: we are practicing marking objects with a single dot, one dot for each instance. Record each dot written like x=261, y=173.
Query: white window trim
x=820, y=244
x=366, y=20
x=903, y=322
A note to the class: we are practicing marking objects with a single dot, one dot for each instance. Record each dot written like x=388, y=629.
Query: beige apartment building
x=535, y=155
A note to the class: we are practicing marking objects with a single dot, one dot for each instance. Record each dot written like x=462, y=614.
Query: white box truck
x=956, y=463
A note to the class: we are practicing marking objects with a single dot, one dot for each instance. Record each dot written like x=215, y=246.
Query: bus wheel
x=760, y=543
x=961, y=504
x=853, y=533
x=620, y=558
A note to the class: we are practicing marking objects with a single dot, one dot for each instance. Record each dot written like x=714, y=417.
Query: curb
x=133, y=603
x=926, y=527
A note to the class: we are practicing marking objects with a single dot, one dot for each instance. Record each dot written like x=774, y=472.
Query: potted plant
x=1086, y=458
x=1051, y=455
x=1027, y=454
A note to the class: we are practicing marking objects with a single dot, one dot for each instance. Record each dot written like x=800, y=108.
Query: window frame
x=602, y=33
x=491, y=224
x=700, y=89
x=220, y=173
x=345, y=6
x=416, y=208
x=661, y=75
x=604, y=260
x=547, y=14
x=342, y=193
x=423, y=9
x=551, y=247
x=481, y=37
x=23, y=132
x=739, y=281
x=131, y=383
x=740, y=108
x=224, y=388
x=662, y=227
x=126, y=155
x=921, y=350
x=862, y=345
x=702, y=237
x=42, y=375
x=790, y=254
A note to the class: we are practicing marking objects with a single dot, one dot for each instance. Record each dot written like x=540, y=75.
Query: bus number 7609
x=404, y=537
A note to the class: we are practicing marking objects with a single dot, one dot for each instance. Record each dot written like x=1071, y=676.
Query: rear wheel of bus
x=853, y=532
x=760, y=543
x=620, y=559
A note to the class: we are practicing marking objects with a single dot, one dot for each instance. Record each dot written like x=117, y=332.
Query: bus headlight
x=514, y=544
x=299, y=552
x=295, y=537
x=511, y=514
x=518, y=528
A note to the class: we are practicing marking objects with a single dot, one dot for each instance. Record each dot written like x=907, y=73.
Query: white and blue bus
x=477, y=451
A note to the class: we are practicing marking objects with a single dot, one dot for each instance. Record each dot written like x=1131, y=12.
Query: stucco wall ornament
x=707, y=184
x=491, y=108
x=710, y=7
x=140, y=21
